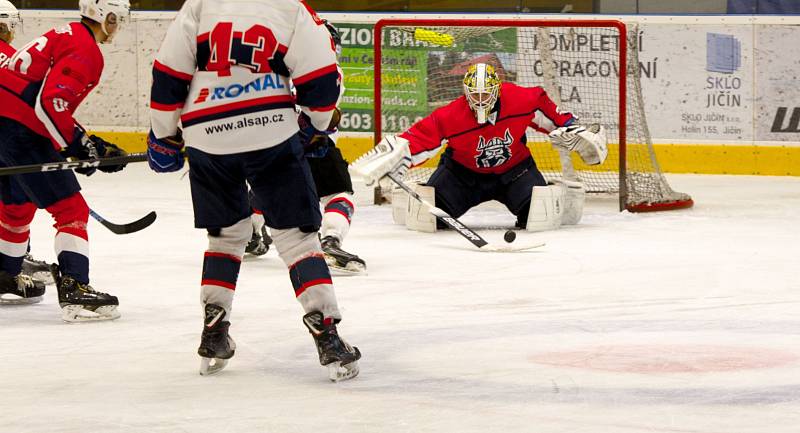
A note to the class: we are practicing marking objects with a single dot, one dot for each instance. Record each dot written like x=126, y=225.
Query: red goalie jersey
x=42, y=84
x=493, y=147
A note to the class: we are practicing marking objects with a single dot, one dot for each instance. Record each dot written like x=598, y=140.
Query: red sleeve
x=6, y=51
x=547, y=115
x=69, y=81
x=425, y=138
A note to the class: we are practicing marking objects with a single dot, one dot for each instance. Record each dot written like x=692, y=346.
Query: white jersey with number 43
x=224, y=72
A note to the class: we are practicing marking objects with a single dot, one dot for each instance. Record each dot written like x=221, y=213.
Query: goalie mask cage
x=420, y=64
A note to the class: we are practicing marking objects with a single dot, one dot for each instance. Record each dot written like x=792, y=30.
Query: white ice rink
x=685, y=322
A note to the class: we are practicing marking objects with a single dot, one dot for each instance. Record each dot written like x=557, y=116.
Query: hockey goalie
x=486, y=157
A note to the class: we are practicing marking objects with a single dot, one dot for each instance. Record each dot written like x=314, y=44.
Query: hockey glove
x=165, y=155
x=316, y=143
x=391, y=155
x=110, y=150
x=83, y=147
x=589, y=141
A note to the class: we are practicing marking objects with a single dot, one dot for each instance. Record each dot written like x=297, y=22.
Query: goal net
x=419, y=66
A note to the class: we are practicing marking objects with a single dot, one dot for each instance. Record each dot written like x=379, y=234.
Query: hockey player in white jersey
x=223, y=71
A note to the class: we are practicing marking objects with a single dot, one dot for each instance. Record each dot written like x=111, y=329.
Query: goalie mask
x=107, y=13
x=482, y=88
x=9, y=20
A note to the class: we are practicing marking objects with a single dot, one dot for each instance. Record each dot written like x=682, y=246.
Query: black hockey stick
x=123, y=229
x=70, y=165
x=458, y=226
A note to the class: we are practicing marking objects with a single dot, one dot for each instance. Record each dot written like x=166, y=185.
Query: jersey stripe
x=315, y=74
x=236, y=109
x=49, y=123
x=171, y=72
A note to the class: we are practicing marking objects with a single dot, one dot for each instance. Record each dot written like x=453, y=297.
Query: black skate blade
x=210, y=366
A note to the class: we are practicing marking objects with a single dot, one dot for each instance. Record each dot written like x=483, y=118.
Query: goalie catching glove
x=391, y=155
x=589, y=141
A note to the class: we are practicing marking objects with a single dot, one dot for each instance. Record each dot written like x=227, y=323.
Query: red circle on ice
x=667, y=358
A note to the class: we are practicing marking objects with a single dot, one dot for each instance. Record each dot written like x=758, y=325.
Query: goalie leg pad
x=400, y=201
x=574, y=197
x=418, y=216
x=547, y=207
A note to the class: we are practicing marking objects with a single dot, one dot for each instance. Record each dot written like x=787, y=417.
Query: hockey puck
x=509, y=236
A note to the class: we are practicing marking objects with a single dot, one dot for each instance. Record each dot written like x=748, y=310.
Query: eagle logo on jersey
x=494, y=152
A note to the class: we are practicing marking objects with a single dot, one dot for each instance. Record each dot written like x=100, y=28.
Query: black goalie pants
x=459, y=189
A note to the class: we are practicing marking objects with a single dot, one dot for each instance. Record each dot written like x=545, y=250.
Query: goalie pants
x=281, y=186
x=459, y=189
x=56, y=191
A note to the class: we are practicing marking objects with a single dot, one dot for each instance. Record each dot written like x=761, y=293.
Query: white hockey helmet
x=9, y=15
x=99, y=10
x=482, y=88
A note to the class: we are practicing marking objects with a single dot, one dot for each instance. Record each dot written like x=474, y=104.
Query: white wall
x=678, y=44
x=663, y=6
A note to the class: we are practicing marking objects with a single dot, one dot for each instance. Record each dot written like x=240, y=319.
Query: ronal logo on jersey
x=494, y=152
x=233, y=91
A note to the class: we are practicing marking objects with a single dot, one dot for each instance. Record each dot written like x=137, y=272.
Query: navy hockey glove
x=109, y=150
x=315, y=142
x=165, y=155
x=82, y=147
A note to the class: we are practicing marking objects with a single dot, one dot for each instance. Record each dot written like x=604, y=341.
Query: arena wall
x=721, y=92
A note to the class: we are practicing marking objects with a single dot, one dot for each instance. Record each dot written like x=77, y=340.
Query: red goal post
x=529, y=61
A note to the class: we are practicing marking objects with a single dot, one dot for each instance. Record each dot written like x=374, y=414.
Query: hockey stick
x=458, y=226
x=69, y=165
x=123, y=229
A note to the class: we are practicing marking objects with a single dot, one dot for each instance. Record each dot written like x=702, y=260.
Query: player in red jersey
x=41, y=86
x=487, y=157
x=9, y=21
x=39, y=270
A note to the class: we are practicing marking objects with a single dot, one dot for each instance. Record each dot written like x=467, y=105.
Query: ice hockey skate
x=340, y=260
x=340, y=358
x=38, y=269
x=81, y=303
x=216, y=346
x=259, y=243
x=20, y=289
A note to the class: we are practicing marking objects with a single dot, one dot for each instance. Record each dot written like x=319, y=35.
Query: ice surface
x=682, y=322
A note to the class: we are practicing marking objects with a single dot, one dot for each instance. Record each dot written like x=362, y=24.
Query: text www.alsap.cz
x=244, y=122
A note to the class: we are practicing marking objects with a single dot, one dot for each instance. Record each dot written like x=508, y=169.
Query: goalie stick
x=69, y=165
x=458, y=226
x=123, y=229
